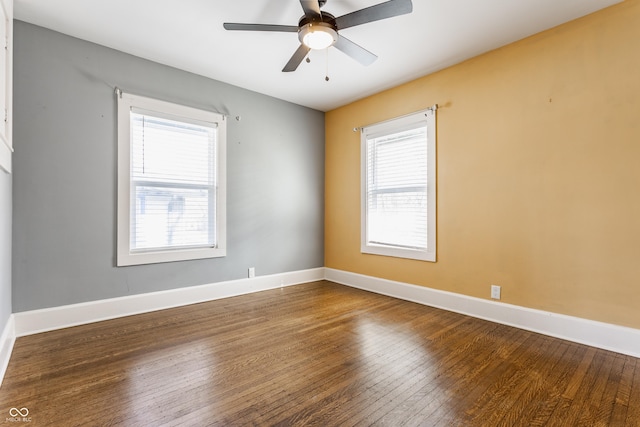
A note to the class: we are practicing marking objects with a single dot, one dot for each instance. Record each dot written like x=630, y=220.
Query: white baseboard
x=7, y=339
x=606, y=336
x=48, y=319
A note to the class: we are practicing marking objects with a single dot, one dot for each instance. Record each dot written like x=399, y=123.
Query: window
x=399, y=187
x=171, y=182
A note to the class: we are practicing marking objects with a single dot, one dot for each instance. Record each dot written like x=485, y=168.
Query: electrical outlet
x=495, y=291
x=252, y=272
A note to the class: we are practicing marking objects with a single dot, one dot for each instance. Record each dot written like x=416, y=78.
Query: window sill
x=140, y=258
x=399, y=252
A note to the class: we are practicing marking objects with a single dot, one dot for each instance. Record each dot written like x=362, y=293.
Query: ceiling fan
x=319, y=30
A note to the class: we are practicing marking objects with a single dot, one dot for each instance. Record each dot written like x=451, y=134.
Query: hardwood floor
x=314, y=354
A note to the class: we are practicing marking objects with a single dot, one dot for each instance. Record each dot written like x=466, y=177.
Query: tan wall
x=538, y=172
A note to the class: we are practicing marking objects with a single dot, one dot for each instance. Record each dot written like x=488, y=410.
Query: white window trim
x=390, y=126
x=125, y=257
x=6, y=104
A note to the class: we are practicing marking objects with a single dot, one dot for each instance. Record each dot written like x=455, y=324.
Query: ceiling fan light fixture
x=318, y=35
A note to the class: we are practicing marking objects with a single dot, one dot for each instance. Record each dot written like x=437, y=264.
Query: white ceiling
x=188, y=34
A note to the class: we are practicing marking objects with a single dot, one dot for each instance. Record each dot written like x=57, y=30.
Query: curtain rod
x=119, y=93
x=431, y=109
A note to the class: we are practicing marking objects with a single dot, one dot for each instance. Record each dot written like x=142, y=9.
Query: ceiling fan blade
x=355, y=51
x=260, y=27
x=311, y=9
x=296, y=59
x=377, y=12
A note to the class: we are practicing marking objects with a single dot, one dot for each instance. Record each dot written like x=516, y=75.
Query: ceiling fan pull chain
x=327, y=75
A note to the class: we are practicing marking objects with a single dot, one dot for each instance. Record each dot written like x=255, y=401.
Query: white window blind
x=397, y=189
x=398, y=195
x=173, y=182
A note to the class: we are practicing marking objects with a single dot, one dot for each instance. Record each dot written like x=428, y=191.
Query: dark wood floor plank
x=535, y=382
x=621, y=402
x=373, y=371
x=565, y=404
x=440, y=356
x=540, y=406
x=579, y=374
x=589, y=408
x=603, y=410
x=458, y=376
x=497, y=401
x=633, y=411
x=572, y=413
x=315, y=354
x=340, y=364
x=397, y=396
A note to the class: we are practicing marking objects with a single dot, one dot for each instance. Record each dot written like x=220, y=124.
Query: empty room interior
x=431, y=217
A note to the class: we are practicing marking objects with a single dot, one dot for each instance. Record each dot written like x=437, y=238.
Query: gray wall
x=5, y=249
x=64, y=190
